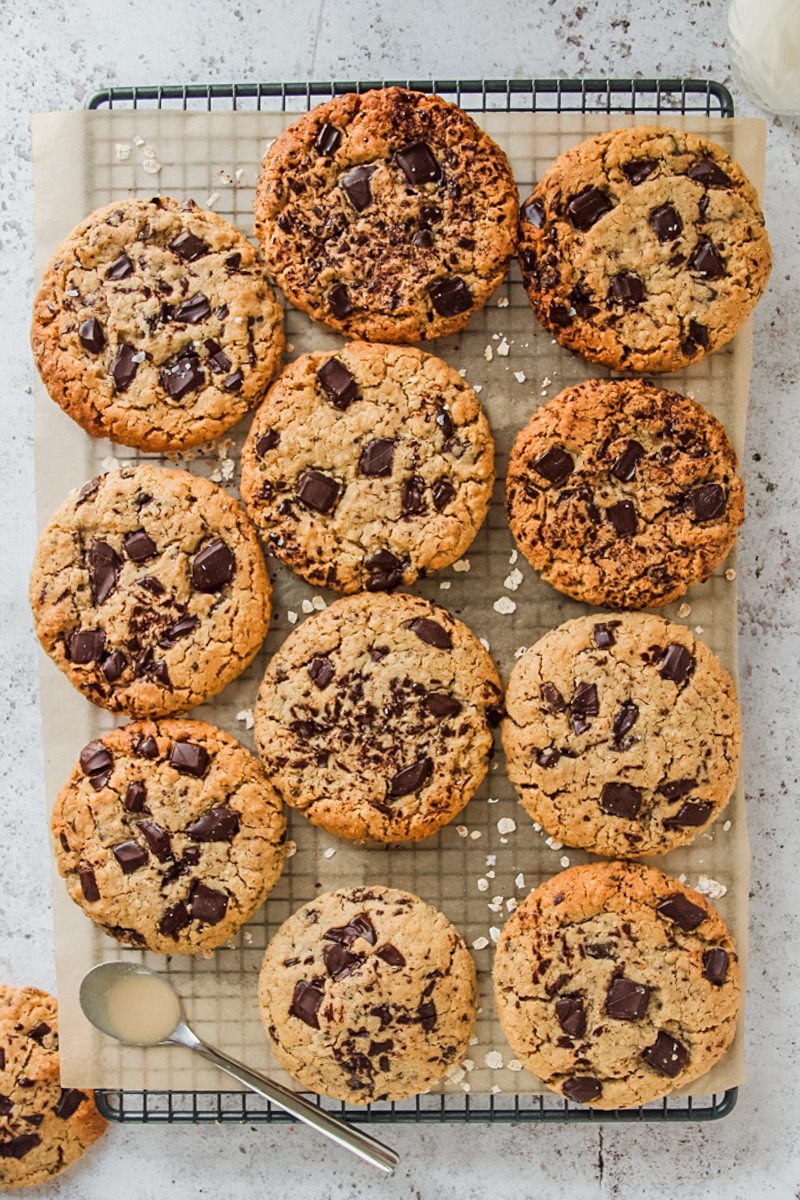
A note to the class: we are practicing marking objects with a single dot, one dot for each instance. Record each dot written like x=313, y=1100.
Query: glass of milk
x=764, y=44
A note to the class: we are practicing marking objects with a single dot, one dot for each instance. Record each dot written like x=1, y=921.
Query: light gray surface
x=51, y=56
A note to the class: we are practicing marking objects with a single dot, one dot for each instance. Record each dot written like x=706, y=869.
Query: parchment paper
x=214, y=157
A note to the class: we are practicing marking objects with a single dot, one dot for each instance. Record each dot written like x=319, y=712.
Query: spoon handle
x=355, y=1140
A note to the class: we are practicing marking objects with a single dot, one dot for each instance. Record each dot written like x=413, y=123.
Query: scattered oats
x=444, y=586
x=506, y=825
x=291, y=616
x=329, y=853
x=318, y=603
x=519, y=376
x=307, y=606
x=225, y=178
x=122, y=151
x=462, y=564
x=514, y=1064
x=564, y=860
x=513, y=579
x=482, y=884
x=151, y=165
x=684, y=610
x=710, y=887
x=698, y=628
x=520, y=881
x=138, y=141
x=212, y=199
x=291, y=849
x=488, y=353
x=503, y=348
x=480, y=943
x=492, y=799
x=730, y=574
x=494, y=1060
x=505, y=606
x=726, y=826
x=485, y=643
x=109, y=464
x=246, y=715
x=462, y=830
x=502, y=302
x=494, y=932
x=553, y=844
x=476, y=833
x=511, y=903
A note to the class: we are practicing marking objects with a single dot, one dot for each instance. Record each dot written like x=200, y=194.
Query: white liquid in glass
x=764, y=43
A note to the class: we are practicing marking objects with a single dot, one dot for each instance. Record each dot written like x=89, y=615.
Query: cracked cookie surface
x=149, y=590
x=44, y=1128
x=622, y=734
x=644, y=248
x=155, y=324
x=367, y=994
x=620, y=493
x=389, y=215
x=169, y=835
x=369, y=467
x=615, y=984
x=375, y=717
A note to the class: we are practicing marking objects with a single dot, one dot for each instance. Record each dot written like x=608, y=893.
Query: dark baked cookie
x=622, y=494
x=644, y=248
x=388, y=215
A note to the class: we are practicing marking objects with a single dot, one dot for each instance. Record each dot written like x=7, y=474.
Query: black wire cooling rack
x=700, y=97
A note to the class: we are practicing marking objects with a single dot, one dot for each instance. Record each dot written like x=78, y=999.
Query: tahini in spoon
x=139, y=1008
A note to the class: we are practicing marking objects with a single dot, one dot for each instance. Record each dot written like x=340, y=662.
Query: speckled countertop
x=52, y=56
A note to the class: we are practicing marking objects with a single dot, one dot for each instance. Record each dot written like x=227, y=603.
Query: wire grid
x=416, y=866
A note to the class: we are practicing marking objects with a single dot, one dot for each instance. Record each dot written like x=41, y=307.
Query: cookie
x=622, y=734
x=155, y=324
x=615, y=984
x=622, y=494
x=44, y=1128
x=169, y=836
x=375, y=717
x=368, y=468
x=644, y=249
x=367, y=994
x=149, y=590
x=387, y=215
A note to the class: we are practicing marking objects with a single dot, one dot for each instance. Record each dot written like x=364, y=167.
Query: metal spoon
x=94, y=995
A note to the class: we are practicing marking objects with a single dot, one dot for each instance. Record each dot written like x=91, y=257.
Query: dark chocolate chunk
x=175, y=918
x=139, y=546
x=327, y=139
x=555, y=466
x=587, y=207
x=340, y=961
x=548, y=757
x=624, y=468
x=213, y=566
x=339, y=302
x=189, y=759
x=676, y=788
x=385, y=572
x=582, y=302
x=680, y=910
x=234, y=382
x=135, y=797
x=580, y=1089
x=113, y=665
x=91, y=335
x=602, y=636
x=412, y=496
x=19, y=1146
x=625, y=719
x=217, y=358
x=188, y=247
x=357, y=186
x=423, y=239
x=89, y=887
x=698, y=333
x=337, y=383
x=217, y=824
x=621, y=800
x=571, y=1016
x=639, y=169
x=584, y=700
x=622, y=516
x=305, y=1003
x=181, y=375
x=560, y=315
x=391, y=955
x=268, y=441
x=442, y=492
x=321, y=671
x=450, y=296
x=599, y=950
x=533, y=212
x=97, y=763
x=146, y=747
x=552, y=698
x=706, y=260
x=130, y=855
x=690, y=813
x=715, y=965
x=192, y=310
x=431, y=632
x=317, y=491
x=705, y=503
x=121, y=268
x=666, y=1055
x=157, y=839
x=6, y=1105
x=626, y=1000
x=442, y=705
x=666, y=223
x=177, y=630
x=706, y=172
x=626, y=288
x=419, y=164
x=39, y=1032
x=207, y=904
x=426, y=1015
x=445, y=422
x=359, y=926
x=123, y=367
x=411, y=778
x=377, y=457
x=85, y=646
x=676, y=663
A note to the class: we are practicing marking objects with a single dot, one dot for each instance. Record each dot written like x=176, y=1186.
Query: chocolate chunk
x=91, y=335
x=426, y=1015
x=177, y=630
x=582, y=302
x=234, y=382
x=39, y=1032
x=706, y=172
x=705, y=503
x=207, y=904
x=217, y=824
x=321, y=671
x=715, y=965
x=666, y=1055
x=123, y=367
x=391, y=955
x=706, y=260
x=624, y=468
x=599, y=950
x=552, y=698
x=181, y=375
x=359, y=926
x=580, y=1089
x=89, y=886
x=680, y=910
x=533, y=212
x=188, y=247
x=587, y=207
x=419, y=164
x=442, y=705
x=97, y=763
x=431, y=632
x=639, y=169
x=623, y=518
x=6, y=1105
x=85, y=646
x=676, y=788
x=698, y=333
x=157, y=839
x=146, y=747
x=626, y=1000
x=625, y=719
x=555, y=466
x=357, y=186
x=548, y=758
x=571, y=1016
x=217, y=358
x=327, y=139
x=175, y=918
x=666, y=223
x=445, y=423
x=626, y=288
x=621, y=800
x=135, y=797
x=340, y=962
x=189, y=759
x=412, y=496
x=317, y=491
x=121, y=268
x=560, y=316
x=676, y=663
x=450, y=296
x=305, y=1003
x=266, y=442
x=411, y=778
x=139, y=546
x=337, y=383
x=584, y=700
x=385, y=572
x=690, y=813
x=423, y=239
x=193, y=310
x=19, y=1146
x=602, y=636
x=113, y=665
x=442, y=492
x=339, y=302
x=377, y=457
x=213, y=566
x=130, y=855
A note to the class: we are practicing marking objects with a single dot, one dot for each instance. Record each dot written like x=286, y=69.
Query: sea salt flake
x=480, y=943
x=246, y=715
x=445, y=585
x=503, y=348
x=553, y=844
x=564, y=860
x=468, y=1064
x=494, y=1060
x=506, y=825
x=519, y=376
x=513, y=579
x=329, y=853
x=109, y=463
x=520, y=881
x=726, y=826
x=490, y=874
x=482, y=884
x=491, y=860
x=505, y=606
x=138, y=141
x=476, y=833
x=514, y=1064
x=122, y=151
x=546, y=381
x=151, y=165
x=488, y=354
x=710, y=887
x=511, y=903
x=318, y=603
x=494, y=933
x=512, y=558
x=307, y=606
x=492, y=799
x=212, y=199
x=455, y=1073
x=463, y=564
x=462, y=830
x=291, y=616
x=730, y=574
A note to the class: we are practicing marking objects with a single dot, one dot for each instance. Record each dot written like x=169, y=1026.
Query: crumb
x=503, y=348
x=246, y=715
x=444, y=586
x=513, y=580
x=318, y=603
x=505, y=606
x=502, y=302
x=494, y=1060
x=463, y=564
x=488, y=354
x=291, y=849
x=684, y=610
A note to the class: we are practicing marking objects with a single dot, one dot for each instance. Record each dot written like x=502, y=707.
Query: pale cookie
x=622, y=494
x=388, y=215
x=374, y=717
x=368, y=468
x=44, y=1128
x=169, y=835
x=368, y=994
x=644, y=248
x=149, y=590
x=155, y=324
x=615, y=984
x=622, y=734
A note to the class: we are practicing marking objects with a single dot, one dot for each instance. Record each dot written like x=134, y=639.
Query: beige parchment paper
x=469, y=870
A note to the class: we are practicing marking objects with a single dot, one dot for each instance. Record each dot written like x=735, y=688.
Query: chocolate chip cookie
x=375, y=717
x=622, y=494
x=44, y=1128
x=155, y=324
x=388, y=215
x=615, y=984
x=169, y=835
x=644, y=248
x=368, y=468
x=149, y=590
x=622, y=734
x=368, y=994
